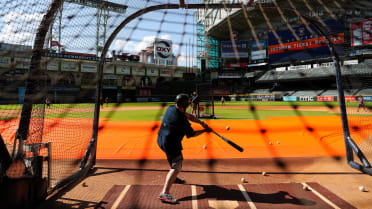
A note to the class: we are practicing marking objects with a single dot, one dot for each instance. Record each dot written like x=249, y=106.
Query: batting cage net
x=67, y=68
x=205, y=101
x=46, y=115
x=358, y=106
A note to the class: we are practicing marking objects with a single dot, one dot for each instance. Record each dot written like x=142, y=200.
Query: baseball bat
x=239, y=148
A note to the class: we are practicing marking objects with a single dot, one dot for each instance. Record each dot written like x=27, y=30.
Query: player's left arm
x=194, y=119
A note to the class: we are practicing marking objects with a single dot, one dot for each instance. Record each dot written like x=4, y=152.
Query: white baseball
x=361, y=188
x=242, y=179
x=227, y=127
x=204, y=146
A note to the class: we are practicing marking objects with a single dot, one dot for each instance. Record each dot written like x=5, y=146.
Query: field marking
x=246, y=196
x=120, y=198
x=194, y=200
x=321, y=196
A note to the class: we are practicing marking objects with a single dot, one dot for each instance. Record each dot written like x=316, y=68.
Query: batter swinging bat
x=240, y=149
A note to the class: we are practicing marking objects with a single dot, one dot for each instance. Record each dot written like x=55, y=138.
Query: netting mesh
x=358, y=110
x=269, y=51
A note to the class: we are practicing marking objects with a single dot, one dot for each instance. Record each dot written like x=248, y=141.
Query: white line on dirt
x=120, y=198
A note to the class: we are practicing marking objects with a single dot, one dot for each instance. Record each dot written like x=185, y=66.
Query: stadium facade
x=272, y=50
x=125, y=77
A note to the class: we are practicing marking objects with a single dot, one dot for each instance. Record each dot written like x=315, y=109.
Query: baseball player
x=174, y=126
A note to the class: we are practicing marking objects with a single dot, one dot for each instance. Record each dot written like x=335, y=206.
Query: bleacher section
x=365, y=92
x=361, y=69
x=332, y=92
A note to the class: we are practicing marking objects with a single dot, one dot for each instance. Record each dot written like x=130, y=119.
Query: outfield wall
x=276, y=97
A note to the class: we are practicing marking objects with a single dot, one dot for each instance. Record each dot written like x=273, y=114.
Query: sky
x=19, y=21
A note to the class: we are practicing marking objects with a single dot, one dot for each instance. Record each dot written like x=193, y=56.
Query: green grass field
x=152, y=115
x=155, y=114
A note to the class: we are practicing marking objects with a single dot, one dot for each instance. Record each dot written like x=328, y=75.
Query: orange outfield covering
x=309, y=136
x=304, y=136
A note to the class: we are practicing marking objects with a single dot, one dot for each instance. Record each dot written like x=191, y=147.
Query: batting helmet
x=182, y=100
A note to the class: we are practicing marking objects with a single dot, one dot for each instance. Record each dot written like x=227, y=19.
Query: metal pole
x=60, y=27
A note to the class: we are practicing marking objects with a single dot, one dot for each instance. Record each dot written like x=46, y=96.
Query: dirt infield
x=213, y=179
x=273, y=196
x=291, y=150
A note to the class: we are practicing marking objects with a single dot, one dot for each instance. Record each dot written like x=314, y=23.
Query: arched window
x=146, y=81
x=128, y=80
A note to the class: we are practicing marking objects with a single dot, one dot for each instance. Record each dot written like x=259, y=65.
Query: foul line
x=321, y=196
x=120, y=198
x=246, y=196
x=194, y=200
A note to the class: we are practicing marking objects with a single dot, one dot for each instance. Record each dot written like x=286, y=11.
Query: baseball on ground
x=227, y=127
x=305, y=188
x=362, y=189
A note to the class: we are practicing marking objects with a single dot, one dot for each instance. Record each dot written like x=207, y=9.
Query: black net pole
x=34, y=72
x=93, y=143
x=350, y=145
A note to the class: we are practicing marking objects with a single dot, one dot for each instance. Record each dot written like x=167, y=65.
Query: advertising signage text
x=361, y=32
x=309, y=45
x=163, y=49
x=230, y=50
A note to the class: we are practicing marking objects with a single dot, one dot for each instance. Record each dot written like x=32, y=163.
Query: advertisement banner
x=265, y=97
x=89, y=67
x=52, y=65
x=367, y=98
x=228, y=49
x=361, y=32
x=152, y=72
x=110, y=77
x=72, y=66
x=229, y=75
x=163, y=49
x=109, y=68
x=309, y=46
x=122, y=70
x=360, y=52
x=21, y=95
x=325, y=98
x=305, y=44
x=165, y=73
x=138, y=71
x=258, y=50
x=22, y=63
x=290, y=99
x=307, y=98
x=348, y=98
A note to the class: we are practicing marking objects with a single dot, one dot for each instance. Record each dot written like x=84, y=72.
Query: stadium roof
x=239, y=22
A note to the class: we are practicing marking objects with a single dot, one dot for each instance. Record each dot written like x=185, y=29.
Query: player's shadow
x=221, y=193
